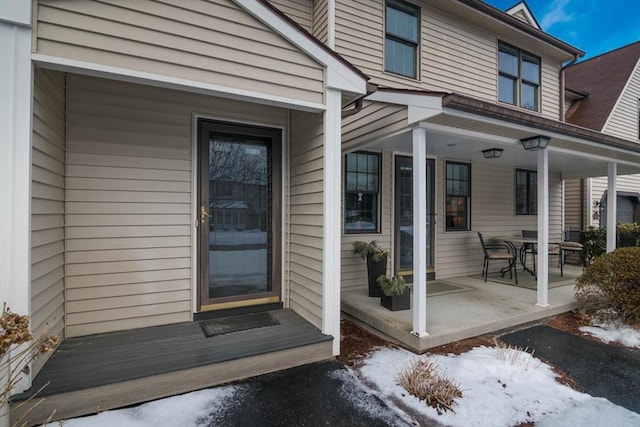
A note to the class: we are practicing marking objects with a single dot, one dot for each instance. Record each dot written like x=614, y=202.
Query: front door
x=404, y=217
x=238, y=215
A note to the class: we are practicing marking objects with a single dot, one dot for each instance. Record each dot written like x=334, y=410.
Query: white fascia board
x=466, y=133
x=420, y=107
x=408, y=99
x=419, y=114
x=550, y=134
x=636, y=71
x=167, y=82
x=17, y=12
x=339, y=75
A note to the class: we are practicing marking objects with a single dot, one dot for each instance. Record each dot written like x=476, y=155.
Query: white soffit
x=339, y=75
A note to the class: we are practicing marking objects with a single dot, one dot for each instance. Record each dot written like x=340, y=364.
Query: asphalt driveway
x=602, y=370
x=318, y=394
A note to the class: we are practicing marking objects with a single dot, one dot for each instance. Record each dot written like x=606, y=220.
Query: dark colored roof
x=522, y=26
x=603, y=77
x=488, y=109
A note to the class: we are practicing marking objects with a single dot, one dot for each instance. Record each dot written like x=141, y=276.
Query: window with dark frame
x=457, y=196
x=526, y=192
x=402, y=38
x=361, y=193
x=518, y=77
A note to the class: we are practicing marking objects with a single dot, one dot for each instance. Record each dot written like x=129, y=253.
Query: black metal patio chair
x=500, y=252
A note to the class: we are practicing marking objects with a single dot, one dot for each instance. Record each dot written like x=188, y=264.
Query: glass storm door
x=404, y=216
x=238, y=215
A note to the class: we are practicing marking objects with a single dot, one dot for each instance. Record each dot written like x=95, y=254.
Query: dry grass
x=422, y=379
x=513, y=354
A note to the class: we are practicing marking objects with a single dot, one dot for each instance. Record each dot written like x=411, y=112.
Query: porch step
x=106, y=371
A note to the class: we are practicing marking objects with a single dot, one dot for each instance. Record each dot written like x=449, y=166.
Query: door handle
x=203, y=214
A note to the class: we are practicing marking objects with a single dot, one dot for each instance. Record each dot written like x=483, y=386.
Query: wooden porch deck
x=105, y=371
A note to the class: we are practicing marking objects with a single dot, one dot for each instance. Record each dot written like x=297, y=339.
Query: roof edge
x=498, y=14
x=487, y=109
x=313, y=39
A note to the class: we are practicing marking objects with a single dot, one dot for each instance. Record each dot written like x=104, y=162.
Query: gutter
x=487, y=109
x=358, y=102
x=562, y=117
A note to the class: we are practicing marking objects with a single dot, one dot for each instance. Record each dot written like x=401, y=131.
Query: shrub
x=595, y=243
x=612, y=283
x=422, y=380
x=596, y=239
x=628, y=235
x=17, y=350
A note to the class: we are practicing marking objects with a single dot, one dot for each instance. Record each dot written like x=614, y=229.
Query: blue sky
x=595, y=26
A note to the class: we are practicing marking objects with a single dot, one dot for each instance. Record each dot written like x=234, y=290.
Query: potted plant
x=376, y=258
x=395, y=293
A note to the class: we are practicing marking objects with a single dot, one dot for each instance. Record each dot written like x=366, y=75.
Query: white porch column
x=612, y=202
x=331, y=218
x=419, y=232
x=543, y=228
x=16, y=83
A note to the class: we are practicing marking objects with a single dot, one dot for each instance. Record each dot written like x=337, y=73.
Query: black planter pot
x=375, y=270
x=397, y=302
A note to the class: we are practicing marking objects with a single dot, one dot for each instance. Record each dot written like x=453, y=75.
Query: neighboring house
x=457, y=78
x=115, y=117
x=603, y=94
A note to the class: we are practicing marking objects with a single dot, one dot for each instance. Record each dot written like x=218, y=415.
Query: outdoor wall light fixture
x=492, y=153
x=534, y=143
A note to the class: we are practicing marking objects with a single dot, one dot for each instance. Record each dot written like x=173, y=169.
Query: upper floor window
x=457, y=196
x=518, y=77
x=361, y=193
x=526, y=192
x=401, y=38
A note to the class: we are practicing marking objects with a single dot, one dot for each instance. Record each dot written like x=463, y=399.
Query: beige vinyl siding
x=211, y=42
x=47, y=206
x=623, y=183
x=375, y=121
x=299, y=11
x=128, y=207
x=319, y=24
x=493, y=214
x=623, y=121
x=305, y=230
x=456, y=55
x=550, y=84
x=573, y=204
x=353, y=268
x=459, y=253
x=521, y=16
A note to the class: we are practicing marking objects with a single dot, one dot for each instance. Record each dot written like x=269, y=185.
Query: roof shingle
x=603, y=77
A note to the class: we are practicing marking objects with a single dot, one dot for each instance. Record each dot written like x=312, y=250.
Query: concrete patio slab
x=482, y=308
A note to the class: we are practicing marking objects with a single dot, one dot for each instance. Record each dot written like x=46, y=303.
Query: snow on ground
x=614, y=332
x=501, y=387
x=188, y=410
x=497, y=390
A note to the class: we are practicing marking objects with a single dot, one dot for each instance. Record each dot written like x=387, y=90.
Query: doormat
x=437, y=287
x=526, y=280
x=227, y=325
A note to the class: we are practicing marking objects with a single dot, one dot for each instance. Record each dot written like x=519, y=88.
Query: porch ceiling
x=463, y=138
